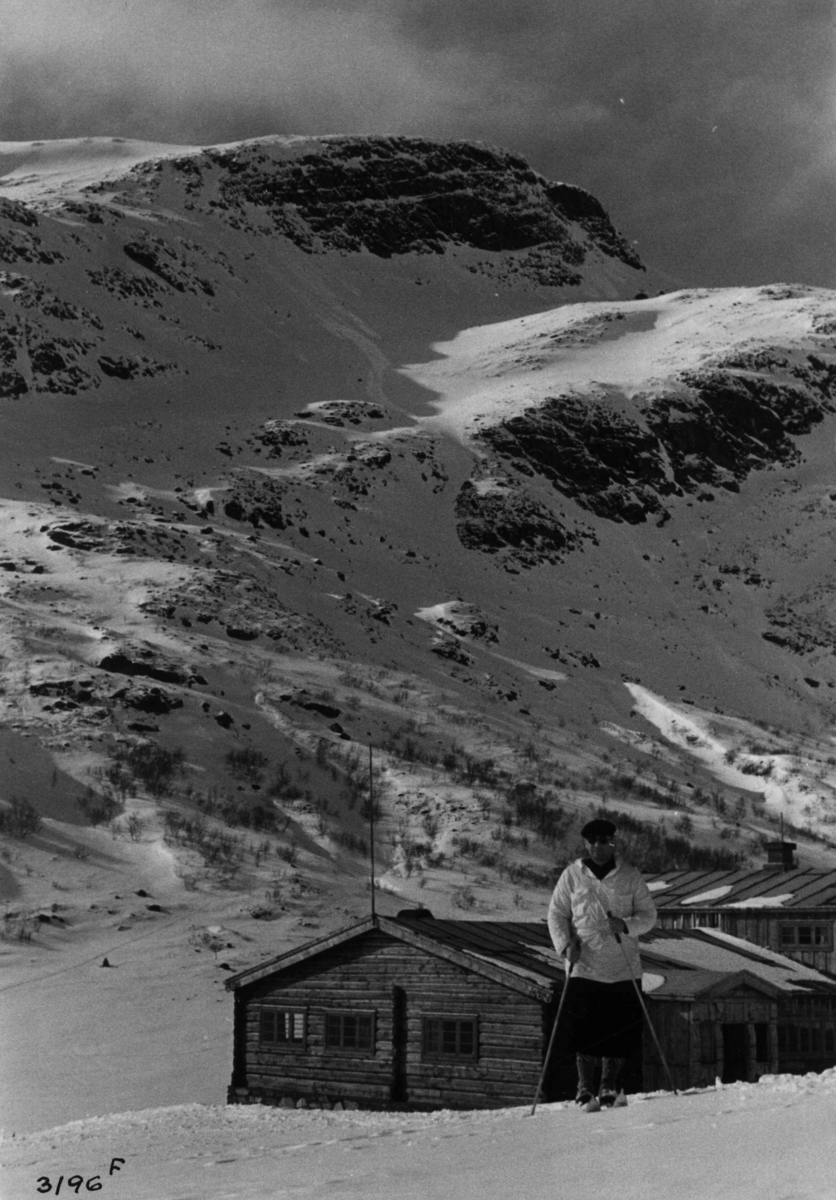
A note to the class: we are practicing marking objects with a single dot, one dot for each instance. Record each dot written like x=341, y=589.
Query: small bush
x=146, y=763
x=19, y=926
x=19, y=819
x=288, y=854
x=281, y=787
x=97, y=808
x=136, y=827
x=247, y=764
x=352, y=841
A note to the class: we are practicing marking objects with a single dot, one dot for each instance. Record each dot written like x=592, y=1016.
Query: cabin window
x=283, y=1027
x=807, y=935
x=349, y=1031
x=805, y=1039
x=450, y=1037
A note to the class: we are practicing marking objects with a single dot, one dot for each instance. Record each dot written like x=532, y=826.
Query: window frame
x=343, y=1014
x=790, y=935
x=456, y=1056
x=285, y=1011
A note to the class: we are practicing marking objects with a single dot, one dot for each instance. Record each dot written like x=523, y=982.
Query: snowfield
x=489, y=373
x=769, y=1140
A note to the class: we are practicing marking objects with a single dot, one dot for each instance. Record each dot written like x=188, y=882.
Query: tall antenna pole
x=371, y=826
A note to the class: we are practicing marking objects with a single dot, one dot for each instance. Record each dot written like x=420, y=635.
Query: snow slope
x=488, y=373
x=737, y=1142
x=40, y=172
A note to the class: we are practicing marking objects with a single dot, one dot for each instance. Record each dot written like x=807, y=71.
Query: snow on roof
x=711, y=894
x=796, y=888
x=756, y=901
x=651, y=982
x=714, y=952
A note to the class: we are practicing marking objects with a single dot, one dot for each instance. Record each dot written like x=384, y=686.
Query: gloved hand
x=573, y=951
x=616, y=924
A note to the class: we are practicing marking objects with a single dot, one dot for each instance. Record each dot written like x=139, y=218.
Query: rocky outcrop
x=395, y=195
x=707, y=429
x=256, y=500
x=162, y=260
x=145, y=662
x=501, y=519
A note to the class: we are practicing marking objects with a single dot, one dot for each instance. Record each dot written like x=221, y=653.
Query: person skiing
x=599, y=902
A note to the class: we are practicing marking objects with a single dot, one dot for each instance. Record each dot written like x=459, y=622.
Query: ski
x=594, y=1104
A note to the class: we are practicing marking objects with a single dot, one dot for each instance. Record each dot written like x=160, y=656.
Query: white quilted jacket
x=579, y=907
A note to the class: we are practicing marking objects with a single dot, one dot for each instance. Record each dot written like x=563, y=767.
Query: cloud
x=706, y=128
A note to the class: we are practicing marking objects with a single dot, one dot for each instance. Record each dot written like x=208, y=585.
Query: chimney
x=780, y=856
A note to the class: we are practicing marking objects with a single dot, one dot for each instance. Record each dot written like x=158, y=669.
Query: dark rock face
x=258, y=501
x=162, y=260
x=505, y=520
x=603, y=459
x=710, y=429
x=393, y=195
x=733, y=424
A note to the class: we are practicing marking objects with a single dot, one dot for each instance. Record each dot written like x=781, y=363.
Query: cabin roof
x=758, y=889
x=520, y=955
x=670, y=951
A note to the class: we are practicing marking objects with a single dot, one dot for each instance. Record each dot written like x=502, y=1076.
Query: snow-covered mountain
x=316, y=444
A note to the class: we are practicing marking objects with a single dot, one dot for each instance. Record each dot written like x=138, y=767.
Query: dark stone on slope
x=122, y=664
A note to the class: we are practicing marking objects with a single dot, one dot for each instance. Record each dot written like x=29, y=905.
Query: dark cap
x=597, y=828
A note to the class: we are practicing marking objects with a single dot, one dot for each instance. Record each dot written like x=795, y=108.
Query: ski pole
x=634, y=981
x=551, y=1039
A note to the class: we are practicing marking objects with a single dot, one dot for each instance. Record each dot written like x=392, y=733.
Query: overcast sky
x=706, y=127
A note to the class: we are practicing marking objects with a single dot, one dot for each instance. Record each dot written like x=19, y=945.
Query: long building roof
x=676, y=963
x=739, y=890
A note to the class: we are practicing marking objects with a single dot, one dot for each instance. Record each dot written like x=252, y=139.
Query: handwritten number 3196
x=76, y=1182
x=94, y=1184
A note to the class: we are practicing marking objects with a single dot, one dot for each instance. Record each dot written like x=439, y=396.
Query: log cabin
x=410, y=1012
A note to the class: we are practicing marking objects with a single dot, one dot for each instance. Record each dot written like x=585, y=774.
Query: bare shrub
x=352, y=841
x=98, y=807
x=147, y=763
x=19, y=819
x=248, y=764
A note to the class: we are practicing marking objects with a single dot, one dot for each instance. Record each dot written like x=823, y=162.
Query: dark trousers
x=606, y=1018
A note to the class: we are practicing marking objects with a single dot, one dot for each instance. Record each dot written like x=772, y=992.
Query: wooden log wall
x=762, y=929
x=677, y=1025
x=359, y=977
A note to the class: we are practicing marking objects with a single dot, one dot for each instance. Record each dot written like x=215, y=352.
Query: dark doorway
x=735, y=1053
x=397, y=1089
